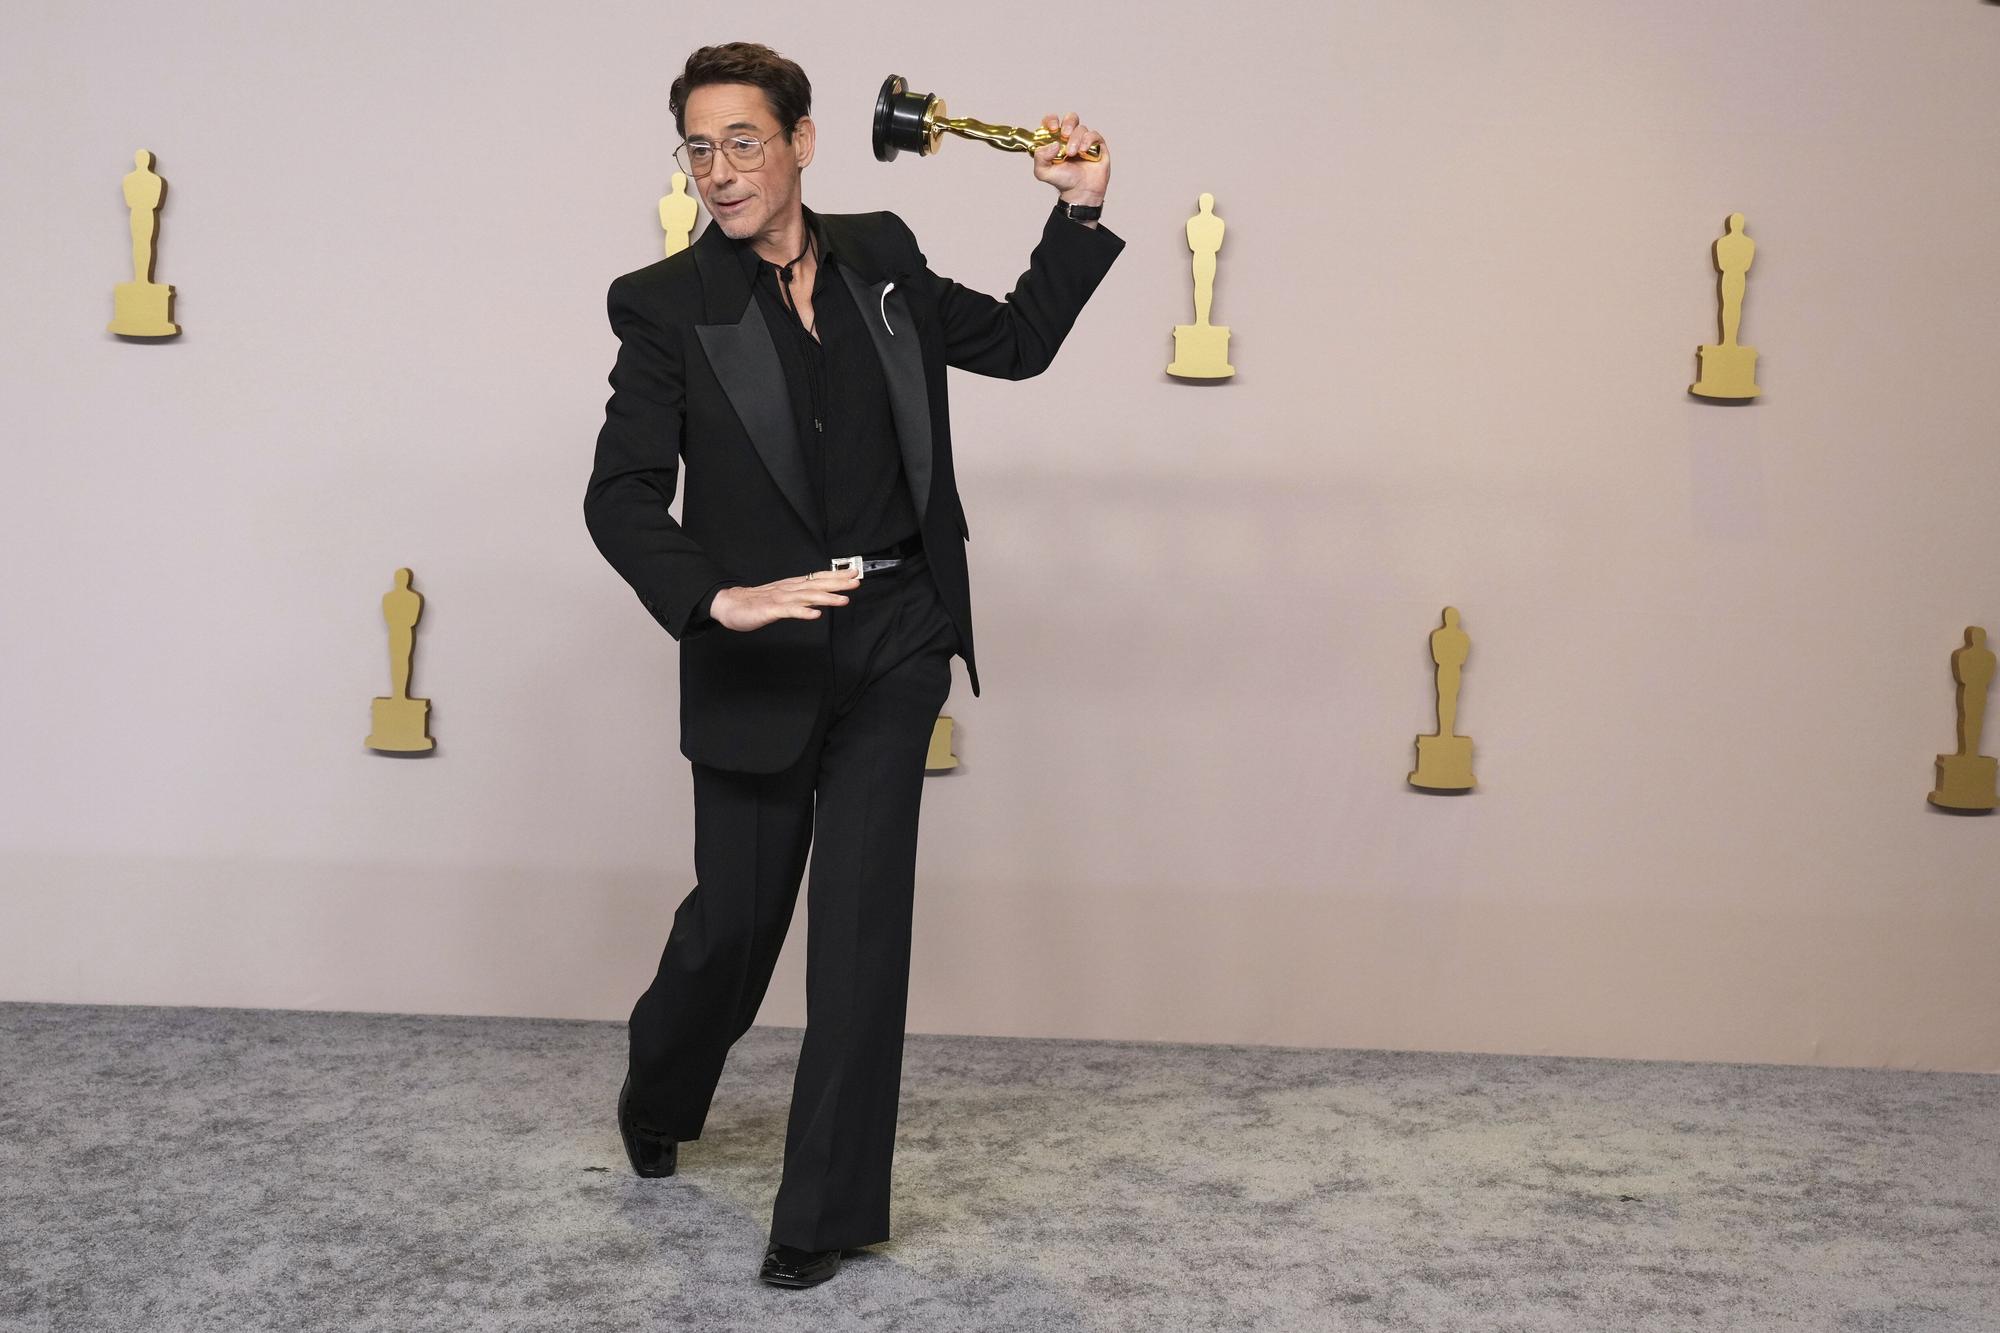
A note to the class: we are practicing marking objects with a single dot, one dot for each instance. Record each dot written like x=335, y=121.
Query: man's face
x=746, y=202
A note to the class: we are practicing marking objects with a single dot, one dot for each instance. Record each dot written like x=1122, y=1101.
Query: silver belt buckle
x=860, y=565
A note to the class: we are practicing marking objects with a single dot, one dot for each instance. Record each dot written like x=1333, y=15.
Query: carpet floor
x=183, y=1169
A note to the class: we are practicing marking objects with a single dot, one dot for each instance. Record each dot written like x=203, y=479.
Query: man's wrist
x=1082, y=207
x=704, y=612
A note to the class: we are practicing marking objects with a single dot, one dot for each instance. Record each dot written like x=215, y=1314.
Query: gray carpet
x=227, y=1169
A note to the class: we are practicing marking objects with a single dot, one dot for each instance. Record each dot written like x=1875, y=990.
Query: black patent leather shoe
x=785, y=1266
x=651, y=1152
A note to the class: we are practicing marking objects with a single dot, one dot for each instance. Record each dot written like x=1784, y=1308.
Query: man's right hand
x=746, y=609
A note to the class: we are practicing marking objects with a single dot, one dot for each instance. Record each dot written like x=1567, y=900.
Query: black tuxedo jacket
x=698, y=380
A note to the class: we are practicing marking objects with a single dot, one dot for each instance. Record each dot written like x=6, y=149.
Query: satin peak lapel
x=890, y=323
x=745, y=360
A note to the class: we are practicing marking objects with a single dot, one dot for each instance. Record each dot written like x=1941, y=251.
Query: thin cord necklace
x=785, y=288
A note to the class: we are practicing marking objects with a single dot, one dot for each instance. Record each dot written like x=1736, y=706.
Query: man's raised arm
x=1018, y=337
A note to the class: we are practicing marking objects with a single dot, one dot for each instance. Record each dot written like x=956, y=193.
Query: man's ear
x=802, y=140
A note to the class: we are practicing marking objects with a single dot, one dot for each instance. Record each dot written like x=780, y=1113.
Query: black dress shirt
x=840, y=407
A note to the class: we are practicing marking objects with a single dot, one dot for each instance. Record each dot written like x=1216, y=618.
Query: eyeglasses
x=697, y=156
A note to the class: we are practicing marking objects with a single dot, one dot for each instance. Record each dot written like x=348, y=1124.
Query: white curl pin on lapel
x=885, y=308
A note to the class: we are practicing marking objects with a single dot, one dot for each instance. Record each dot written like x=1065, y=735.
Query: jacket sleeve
x=1018, y=336
x=637, y=464
x=704, y=610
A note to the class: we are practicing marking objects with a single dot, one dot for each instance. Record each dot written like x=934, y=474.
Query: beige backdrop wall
x=1467, y=266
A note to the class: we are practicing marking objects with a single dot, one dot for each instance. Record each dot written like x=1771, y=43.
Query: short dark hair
x=784, y=84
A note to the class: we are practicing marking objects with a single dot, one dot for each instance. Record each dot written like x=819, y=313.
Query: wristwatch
x=1083, y=212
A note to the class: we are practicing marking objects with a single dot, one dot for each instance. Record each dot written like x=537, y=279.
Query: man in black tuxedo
x=796, y=362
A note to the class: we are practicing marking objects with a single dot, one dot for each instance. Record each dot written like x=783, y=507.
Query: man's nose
x=722, y=171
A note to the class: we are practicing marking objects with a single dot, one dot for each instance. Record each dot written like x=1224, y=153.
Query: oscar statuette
x=916, y=121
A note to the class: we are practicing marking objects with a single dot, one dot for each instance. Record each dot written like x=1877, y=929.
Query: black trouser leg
x=751, y=835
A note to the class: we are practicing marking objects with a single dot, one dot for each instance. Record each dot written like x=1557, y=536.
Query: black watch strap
x=1083, y=212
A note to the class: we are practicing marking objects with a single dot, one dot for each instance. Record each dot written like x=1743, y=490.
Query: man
x=796, y=362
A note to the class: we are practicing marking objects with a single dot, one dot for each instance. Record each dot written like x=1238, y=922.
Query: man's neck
x=783, y=241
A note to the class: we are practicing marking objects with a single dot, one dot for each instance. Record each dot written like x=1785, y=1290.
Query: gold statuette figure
x=940, y=759
x=1444, y=760
x=916, y=121
x=1729, y=370
x=1201, y=349
x=1966, y=780
x=399, y=719
x=677, y=214
x=143, y=308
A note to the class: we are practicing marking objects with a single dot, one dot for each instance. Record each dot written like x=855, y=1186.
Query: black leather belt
x=886, y=558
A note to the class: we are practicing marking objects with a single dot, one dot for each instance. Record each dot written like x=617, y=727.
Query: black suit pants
x=851, y=798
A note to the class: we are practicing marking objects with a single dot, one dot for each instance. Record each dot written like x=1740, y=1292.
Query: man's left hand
x=1076, y=178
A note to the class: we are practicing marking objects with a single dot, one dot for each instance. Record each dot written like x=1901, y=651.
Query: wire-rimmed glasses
x=697, y=156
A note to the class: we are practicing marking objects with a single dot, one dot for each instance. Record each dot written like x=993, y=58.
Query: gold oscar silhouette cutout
x=1729, y=370
x=1444, y=759
x=1966, y=780
x=677, y=214
x=940, y=757
x=399, y=719
x=143, y=308
x=1201, y=349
